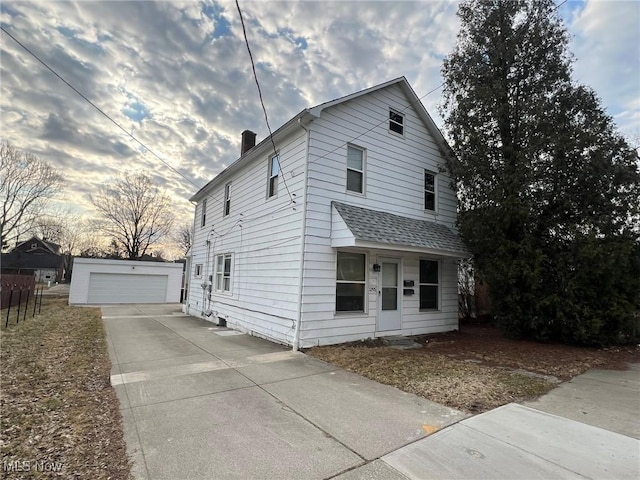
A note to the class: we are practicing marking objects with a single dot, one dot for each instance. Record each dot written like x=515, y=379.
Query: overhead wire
x=264, y=109
x=106, y=115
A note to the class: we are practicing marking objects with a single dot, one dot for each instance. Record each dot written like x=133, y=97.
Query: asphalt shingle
x=381, y=227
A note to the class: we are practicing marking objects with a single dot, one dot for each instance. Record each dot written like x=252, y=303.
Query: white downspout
x=296, y=336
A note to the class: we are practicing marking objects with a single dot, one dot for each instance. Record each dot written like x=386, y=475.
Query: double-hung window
x=355, y=169
x=274, y=171
x=429, y=285
x=429, y=191
x=203, y=217
x=227, y=200
x=350, y=282
x=223, y=272
x=396, y=122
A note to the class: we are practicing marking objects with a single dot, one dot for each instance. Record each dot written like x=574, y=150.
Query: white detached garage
x=98, y=281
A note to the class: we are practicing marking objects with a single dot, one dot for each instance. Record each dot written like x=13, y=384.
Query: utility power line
x=102, y=112
x=266, y=118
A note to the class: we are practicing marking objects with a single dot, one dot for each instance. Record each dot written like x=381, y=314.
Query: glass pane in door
x=389, y=286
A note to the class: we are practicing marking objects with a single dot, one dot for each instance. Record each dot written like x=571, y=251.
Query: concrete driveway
x=204, y=402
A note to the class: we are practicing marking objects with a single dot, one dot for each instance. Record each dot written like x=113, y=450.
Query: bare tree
x=26, y=185
x=135, y=213
x=184, y=237
x=65, y=228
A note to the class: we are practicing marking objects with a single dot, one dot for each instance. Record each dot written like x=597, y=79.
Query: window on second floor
x=198, y=270
x=429, y=191
x=203, y=218
x=396, y=122
x=274, y=171
x=355, y=169
x=227, y=200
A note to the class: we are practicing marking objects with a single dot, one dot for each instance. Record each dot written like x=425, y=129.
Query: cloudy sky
x=177, y=75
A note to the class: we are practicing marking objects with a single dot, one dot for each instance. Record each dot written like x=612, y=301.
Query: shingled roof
x=387, y=228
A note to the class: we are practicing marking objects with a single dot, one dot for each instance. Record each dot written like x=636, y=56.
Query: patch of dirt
x=59, y=415
x=487, y=345
x=474, y=369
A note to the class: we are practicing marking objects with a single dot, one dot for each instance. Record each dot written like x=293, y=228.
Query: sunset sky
x=177, y=76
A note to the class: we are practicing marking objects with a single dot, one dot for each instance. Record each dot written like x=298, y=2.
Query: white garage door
x=123, y=288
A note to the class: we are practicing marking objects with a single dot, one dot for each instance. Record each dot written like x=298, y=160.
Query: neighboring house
x=36, y=256
x=346, y=233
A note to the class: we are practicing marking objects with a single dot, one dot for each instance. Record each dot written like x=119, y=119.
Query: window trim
x=429, y=284
x=226, y=204
x=425, y=191
x=363, y=172
x=273, y=194
x=403, y=125
x=359, y=282
x=221, y=273
x=198, y=270
x=203, y=213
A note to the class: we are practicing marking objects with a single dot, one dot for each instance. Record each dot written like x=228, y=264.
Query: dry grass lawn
x=475, y=369
x=58, y=410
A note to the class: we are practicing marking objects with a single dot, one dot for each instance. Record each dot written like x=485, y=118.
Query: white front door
x=389, y=299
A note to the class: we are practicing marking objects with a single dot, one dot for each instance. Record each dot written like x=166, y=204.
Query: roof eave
x=304, y=117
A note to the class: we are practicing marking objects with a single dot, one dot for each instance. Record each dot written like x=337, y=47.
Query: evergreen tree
x=549, y=192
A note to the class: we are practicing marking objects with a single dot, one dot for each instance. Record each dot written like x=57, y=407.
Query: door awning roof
x=361, y=227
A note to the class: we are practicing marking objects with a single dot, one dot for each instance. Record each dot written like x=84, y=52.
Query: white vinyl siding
x=264, y=237
x=395, y=169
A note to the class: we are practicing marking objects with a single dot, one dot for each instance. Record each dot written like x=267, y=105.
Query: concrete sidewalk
x=200, y=401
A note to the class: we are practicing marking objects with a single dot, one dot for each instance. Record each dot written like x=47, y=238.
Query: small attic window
x=396, y=122
x=34, y=245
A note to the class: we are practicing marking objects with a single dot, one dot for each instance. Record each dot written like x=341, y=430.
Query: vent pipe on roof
x=248, y=141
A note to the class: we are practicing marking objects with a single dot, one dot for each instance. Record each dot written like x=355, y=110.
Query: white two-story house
x=340, y=229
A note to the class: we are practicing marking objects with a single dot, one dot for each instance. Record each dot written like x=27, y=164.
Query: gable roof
x=54, y=248
x=309, y=114
x=389, y=230
x=414, y=101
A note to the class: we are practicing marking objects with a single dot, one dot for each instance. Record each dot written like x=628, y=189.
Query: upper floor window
x=355, y=169
x=199, y=270
x=429, y=191
x=274, y=171
x=396, y=122
x=223, y=272
x=203, y=217
x=227, y=199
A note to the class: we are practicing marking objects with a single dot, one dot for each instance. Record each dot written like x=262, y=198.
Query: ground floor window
x=429, y=276
x=350, y=282
x=223, y=272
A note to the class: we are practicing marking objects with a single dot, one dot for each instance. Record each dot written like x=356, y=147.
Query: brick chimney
x=248, y=141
